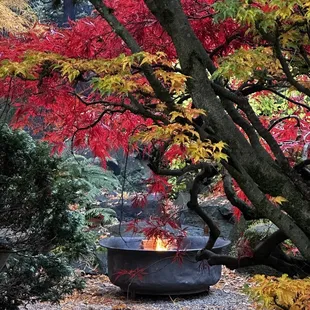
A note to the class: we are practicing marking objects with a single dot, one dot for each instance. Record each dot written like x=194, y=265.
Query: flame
x=160, y=245
x=156, y=244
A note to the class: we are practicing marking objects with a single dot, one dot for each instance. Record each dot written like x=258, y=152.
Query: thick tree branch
x=268, y=210
x=302, y=164
x=193, y=204
x=248, y=212
x=147, y=114
x=244, y=124
x=267, y=246
x=219, y=48
x=303, y=171
x=265, y=253
x=171, y=16
x=261, y=171
x=244, y=105
x=248, y=88
x=286, y=68
x=194, y=60
x=265, y=134
x=304, y=54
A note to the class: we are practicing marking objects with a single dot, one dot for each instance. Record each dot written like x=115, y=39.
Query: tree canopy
x=219, y=86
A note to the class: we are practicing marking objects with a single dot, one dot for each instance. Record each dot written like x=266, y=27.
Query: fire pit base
x=139, y=271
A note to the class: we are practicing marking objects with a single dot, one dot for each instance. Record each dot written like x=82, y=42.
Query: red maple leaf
x=139, y=200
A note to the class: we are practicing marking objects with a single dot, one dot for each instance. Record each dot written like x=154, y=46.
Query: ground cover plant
x=16, y=16
x=220, y=86
x=280, y=293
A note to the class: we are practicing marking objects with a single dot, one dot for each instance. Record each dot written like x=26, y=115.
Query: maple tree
x=219, y=86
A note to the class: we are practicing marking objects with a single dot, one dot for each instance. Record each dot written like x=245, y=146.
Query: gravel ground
x=101, y=294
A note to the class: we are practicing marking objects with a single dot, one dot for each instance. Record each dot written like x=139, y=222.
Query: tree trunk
x=69, y=10
x=253, y=168
x=256, y=171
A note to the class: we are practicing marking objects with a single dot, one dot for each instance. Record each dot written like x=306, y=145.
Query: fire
x=160, y=245
x=156, y=244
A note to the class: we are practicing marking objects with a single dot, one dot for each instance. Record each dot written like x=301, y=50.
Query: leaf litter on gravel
x=101, y=294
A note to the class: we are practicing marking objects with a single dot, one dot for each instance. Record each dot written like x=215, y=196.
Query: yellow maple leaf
x=218, y=156
x=175, y=114
x=219, y=145
x=278, y=199
x=73, y=74
x=181, y=139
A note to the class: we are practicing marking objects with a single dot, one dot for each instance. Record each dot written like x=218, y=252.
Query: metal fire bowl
x=163, y=274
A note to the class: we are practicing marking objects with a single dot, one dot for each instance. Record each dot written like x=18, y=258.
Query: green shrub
x=32, y=278
x=37, y=222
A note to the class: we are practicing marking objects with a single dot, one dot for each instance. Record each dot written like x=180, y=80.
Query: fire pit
x=160, y=272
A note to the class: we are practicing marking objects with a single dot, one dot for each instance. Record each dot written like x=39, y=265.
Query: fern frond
x=82, y=168
x=107, y=213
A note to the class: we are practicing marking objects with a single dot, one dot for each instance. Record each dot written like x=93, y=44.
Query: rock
x=189, y=217
x=226, y=211
x=100, y=266
x=47, y=13
x=136, y=171
x=182, y=199
x=102, y=259
x=111, y=162
x=114, y=166
x=126, y=212
x=258, y=231
x=5, y=251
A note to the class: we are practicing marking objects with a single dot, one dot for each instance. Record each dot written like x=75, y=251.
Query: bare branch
x=89, y=103
x=282, y=219
x=225, y=44
x=146, y=113
x=244, y=105
x=287, y=98
x=284, y=118
x=177, y=172
x=265, y=134
x=171, y=16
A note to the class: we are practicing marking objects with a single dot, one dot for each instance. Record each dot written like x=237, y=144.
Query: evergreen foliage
x=37, y=225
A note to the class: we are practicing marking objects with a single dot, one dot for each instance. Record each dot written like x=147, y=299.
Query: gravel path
x=100, y=294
